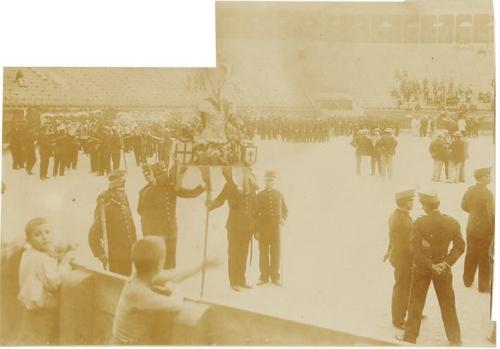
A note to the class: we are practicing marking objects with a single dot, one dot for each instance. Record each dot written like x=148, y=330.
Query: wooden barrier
x=89, y=299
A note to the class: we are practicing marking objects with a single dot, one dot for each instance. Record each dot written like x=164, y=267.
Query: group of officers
x=379, y=147
x=252, y=214
x=420, y=253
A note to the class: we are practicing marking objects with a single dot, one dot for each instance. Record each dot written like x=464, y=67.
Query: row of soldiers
x=251, y=214
x=420, y=253
x=106, y=146
x=319, y=130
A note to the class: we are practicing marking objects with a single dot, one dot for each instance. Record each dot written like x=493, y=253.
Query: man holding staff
x=240, y=223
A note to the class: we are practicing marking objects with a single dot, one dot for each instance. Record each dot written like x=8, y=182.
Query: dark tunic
x=120, y=228
x=158, y=208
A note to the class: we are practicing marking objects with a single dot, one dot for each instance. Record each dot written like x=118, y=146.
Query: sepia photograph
x=330, y=182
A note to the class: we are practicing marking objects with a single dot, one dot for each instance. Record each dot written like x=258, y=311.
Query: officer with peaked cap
x=400, y=256
x=159, y=205
x=271, y=211
x=388, y=144
x=432, y=235
x=479, y=204
x=240, y=223
x=113, y=224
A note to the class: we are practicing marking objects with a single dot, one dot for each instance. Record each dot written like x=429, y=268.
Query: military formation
x=424, y=252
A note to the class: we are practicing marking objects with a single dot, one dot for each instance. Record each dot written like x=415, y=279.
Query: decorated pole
x=205, y=172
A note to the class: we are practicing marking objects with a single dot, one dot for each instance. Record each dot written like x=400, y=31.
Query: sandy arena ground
x=334, y=240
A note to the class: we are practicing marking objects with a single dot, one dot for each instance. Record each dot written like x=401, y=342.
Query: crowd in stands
x=438, y=94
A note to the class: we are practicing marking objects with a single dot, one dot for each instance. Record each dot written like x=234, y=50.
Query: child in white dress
x=40, y=276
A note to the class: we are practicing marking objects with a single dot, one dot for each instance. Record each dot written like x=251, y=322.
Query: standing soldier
x=45, y=148
x=240, y=223
x=29, y=150
x=60, y=152
x=376, y=152
x=115, y=144
x=147, y=171
x=399, y=254
x=112, y=234
x=438, y=150
x=363, y=147
x=158, y=212
x=388, y=145
x=432, y=235
x=16, y=146
x=271, y=212
x=478, y=203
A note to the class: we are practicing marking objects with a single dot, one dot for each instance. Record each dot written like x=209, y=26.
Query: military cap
x=117, y=174
x=117, y=183
x=158, y=168
x=405, y=194
x=388, y=130
x=483, y=171
x=270, y=175
x=428, y=197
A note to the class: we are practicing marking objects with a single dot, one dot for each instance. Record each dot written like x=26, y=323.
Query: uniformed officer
x=240, y=223
x=271, y=212
x=115, y=145
x=363, y=147
x=147, y=171
x=478, y=202
x=158, y=212
x=45, y=148
x=29, y=150
x=60, y=152
x=113, y=224
x=388, y=144
x=399, y=254
x=432, y=235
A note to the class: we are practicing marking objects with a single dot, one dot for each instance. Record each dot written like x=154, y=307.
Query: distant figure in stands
x=400, y=256
x=271, y=212
x=46, y=149
x=20, y=80
x=363, y=147
x=113, y=231
x=388, y=145
x=148, y=293
x=478, y=202
x=433, y=260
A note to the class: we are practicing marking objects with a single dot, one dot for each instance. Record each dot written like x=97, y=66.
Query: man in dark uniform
x=271, y=212
x=16, y=146
x=432, y=235
x=399, y=254
x=240, y=223
x=115, y=144
x=388, y=145
x=147, y=172
x=29, y=150
x=363, y=147
x=45, y=148
x=478, y=203
x=112, y=233
x=158, y=212
x=60, y=152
